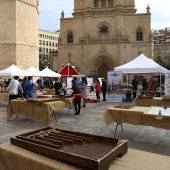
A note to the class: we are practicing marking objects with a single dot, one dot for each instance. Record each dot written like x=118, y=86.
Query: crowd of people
x=154, y=85
x=26, y=88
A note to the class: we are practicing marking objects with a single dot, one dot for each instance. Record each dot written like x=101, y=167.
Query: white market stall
x=140, y=65
x=13, y=70
x=35, y=72
x=50, y=73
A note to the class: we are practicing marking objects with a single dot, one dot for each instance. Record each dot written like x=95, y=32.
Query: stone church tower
x=19, y=33
x=103, y=34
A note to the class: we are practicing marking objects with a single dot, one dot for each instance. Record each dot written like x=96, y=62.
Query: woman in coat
x=98, y=89
x=84, y=90
x=77, y=96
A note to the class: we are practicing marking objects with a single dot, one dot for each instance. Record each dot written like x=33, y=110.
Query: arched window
x=70, y=37
x=139, y=35
x=96, y=3
x=103, y=3
x=110, y=2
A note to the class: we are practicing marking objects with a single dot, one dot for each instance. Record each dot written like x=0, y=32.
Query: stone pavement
x=90, y=120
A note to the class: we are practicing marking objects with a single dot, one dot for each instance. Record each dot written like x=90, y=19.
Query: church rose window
x=103, y=29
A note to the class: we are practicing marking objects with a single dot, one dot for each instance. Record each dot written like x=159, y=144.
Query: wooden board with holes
x=87, y=150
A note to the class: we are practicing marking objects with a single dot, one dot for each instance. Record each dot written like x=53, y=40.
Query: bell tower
x=87, y=7
x=83, y=4
x=19, y=33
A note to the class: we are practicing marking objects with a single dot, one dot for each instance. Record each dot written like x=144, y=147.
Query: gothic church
x=103, y=34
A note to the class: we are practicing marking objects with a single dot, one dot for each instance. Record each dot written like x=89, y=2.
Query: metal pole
x=160, y=84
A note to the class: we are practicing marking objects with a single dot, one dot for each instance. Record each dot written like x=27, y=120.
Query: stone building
x=48, y=42
x=103, y=34
x=19, y=33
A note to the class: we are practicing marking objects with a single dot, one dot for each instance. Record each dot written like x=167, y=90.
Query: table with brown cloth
x=4, y=97
x=67, y=100
x=156, y=101
x=136, y=116
x=131, y=116
x=15, y=158
x=40, y=111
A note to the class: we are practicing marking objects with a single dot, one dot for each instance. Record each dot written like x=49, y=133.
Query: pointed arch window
x=70, y=37
x=110, y=2
x=96, y=3
x=139, y=35
x=103, y=3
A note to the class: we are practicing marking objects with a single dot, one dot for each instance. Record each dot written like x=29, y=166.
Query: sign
x=114, y=86
x=167, y=84
x=89, y=81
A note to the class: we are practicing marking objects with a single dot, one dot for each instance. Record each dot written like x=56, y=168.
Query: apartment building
x=48, y=42
x=161, y=37
x=161, y=40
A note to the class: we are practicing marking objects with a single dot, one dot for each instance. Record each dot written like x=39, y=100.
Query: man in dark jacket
x=57, y=86
x=104, y=89
x=135, y=84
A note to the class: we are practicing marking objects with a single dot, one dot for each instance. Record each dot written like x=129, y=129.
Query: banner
x=114, y=86
x=167, y=84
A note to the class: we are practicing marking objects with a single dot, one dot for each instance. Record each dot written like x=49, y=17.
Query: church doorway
x=100, y=65
x=102, y=70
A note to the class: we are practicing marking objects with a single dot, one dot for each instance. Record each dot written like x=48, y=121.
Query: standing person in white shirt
x=84, y=90
x=14, y=88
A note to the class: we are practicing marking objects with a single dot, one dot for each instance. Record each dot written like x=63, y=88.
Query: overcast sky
x=50, y=12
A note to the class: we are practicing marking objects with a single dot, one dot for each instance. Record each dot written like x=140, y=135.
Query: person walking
x=47, y=83
x=30, y=88
x=98, y=89
x=14, y=88
x=104, y=89
x=84, y=90
x=135, y=84
x=57, y=86
x=77, y=96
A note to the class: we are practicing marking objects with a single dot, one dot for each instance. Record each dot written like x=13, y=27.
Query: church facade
x=19, y=33
x=103, y=34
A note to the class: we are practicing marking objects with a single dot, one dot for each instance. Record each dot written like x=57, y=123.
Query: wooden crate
x=90, y=151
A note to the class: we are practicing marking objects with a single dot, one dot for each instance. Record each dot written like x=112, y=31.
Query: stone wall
x=18, y=33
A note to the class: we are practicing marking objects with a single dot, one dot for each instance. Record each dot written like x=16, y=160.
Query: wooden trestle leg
x=116, y=128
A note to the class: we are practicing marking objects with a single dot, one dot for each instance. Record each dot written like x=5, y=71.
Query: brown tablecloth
x=40, y=111
x=68, y=102
x=132, y=116
x=156, y=101
x=16, y=158
x=135, y=116
x=4, y=97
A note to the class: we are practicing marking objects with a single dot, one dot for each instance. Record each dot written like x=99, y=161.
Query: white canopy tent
x=50, y=73
x=35, y=72
x=164, y=70
x=13, y=70
x=139, y=65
